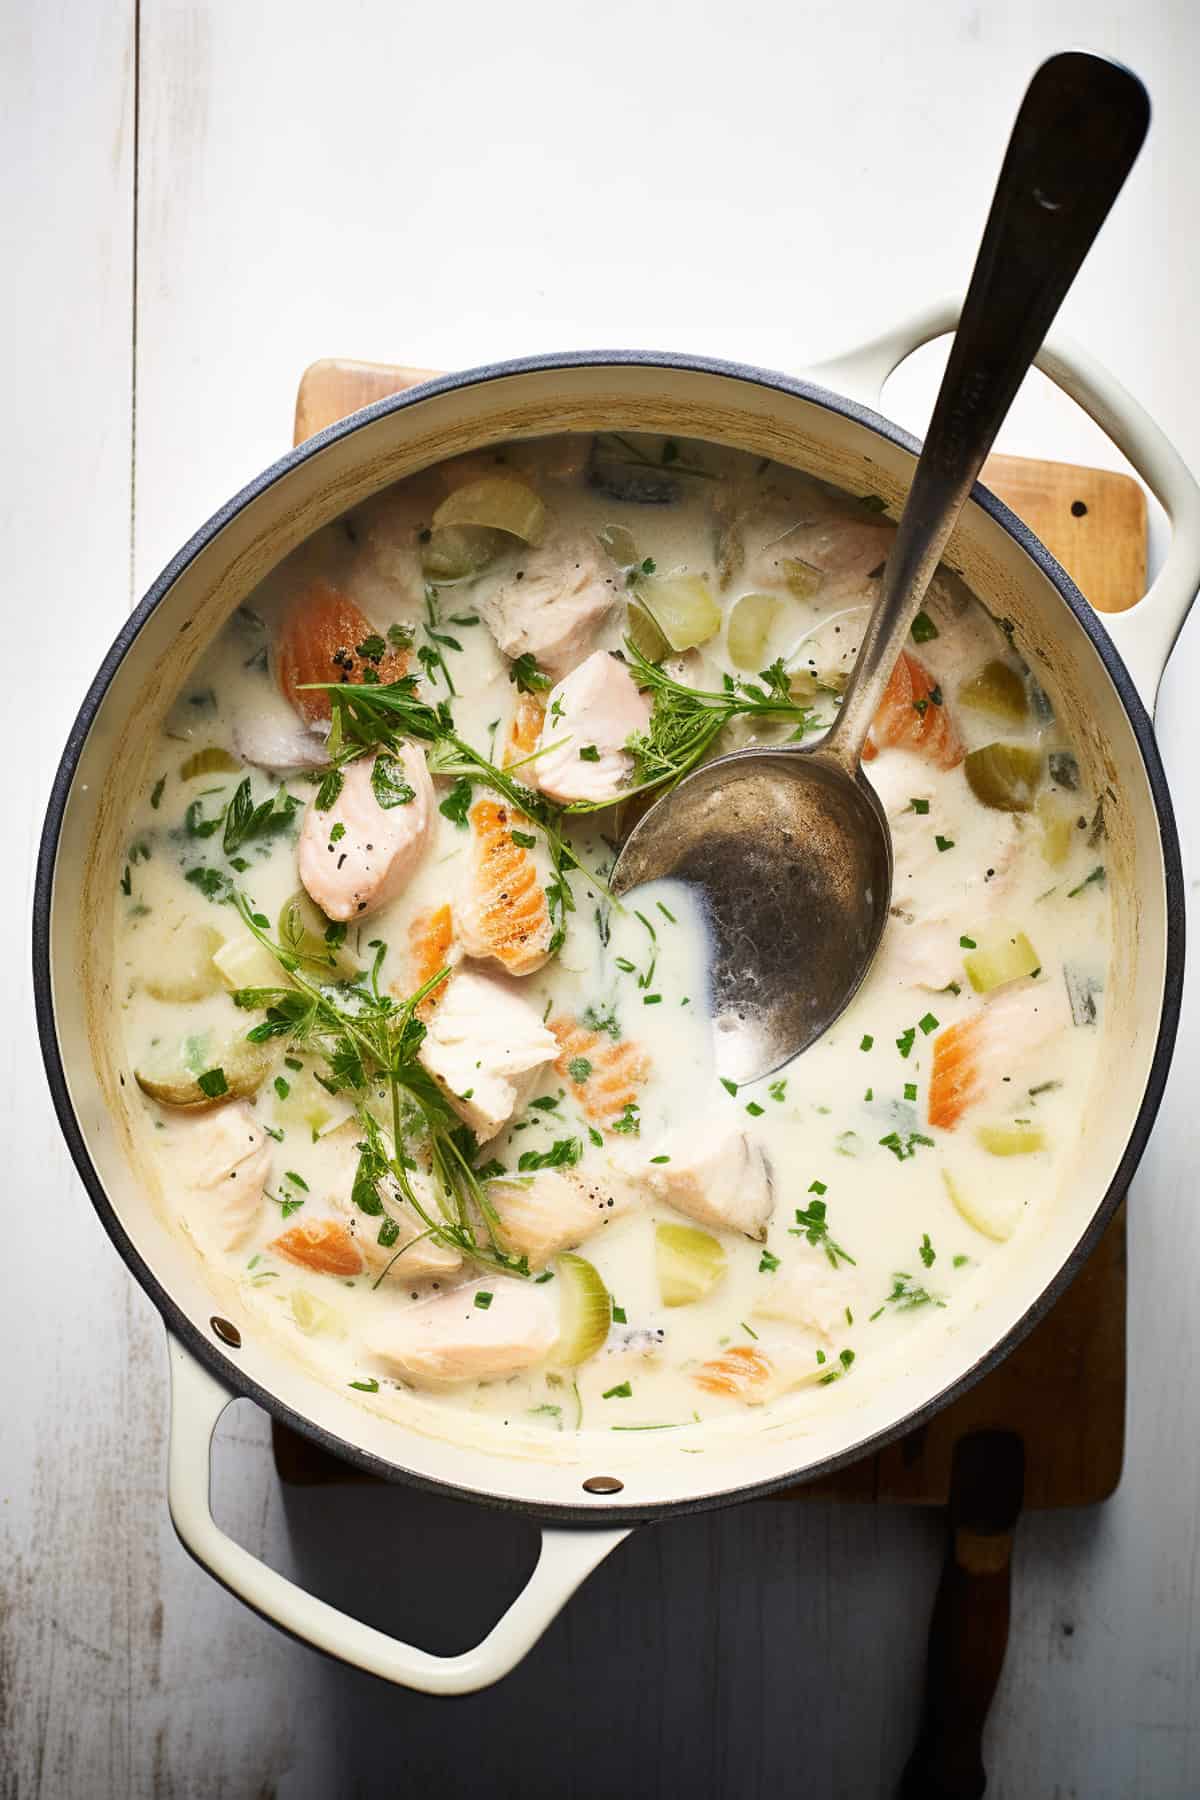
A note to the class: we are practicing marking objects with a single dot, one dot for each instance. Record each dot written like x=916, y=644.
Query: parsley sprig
x=369, y=1043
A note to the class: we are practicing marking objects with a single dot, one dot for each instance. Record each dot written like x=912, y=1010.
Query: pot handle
x=567, y=1558
x=1146, y=634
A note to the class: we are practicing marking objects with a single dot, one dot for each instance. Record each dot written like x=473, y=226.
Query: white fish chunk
x=484, y=1048
x=227, y=1155
x=808, y=1294
x=454, y=1339
x=844, y=551
x=412, y=1256
x=590, y=718
x=279, y=744
x=555, y=1209
x=364, y=866
x=552, y=604
x=715, y=1176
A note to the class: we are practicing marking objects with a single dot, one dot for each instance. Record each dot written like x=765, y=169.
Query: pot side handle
x=567, y=1557
x=1146, y=634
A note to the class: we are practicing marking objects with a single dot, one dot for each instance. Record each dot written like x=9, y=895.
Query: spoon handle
x=1080, y=127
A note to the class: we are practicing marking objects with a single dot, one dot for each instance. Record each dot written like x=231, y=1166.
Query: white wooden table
x=199, y=199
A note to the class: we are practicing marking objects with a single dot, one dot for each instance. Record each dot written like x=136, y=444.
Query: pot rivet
x=603, y=1484
x=228, y=1334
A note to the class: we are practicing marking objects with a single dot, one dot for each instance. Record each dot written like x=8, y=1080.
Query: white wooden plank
x=443, y=186
x=75, y=1632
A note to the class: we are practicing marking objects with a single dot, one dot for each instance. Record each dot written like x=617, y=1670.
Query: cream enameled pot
x=1102, y=677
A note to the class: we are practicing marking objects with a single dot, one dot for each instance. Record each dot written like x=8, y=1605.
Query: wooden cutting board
x=1063, y=1389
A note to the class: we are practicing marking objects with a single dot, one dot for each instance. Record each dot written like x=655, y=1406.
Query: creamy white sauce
x=846, y=1125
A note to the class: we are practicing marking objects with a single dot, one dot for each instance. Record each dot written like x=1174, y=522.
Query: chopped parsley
x=767, y=1263
x=213, y=1083
x=370, y=1386
x=944, y=843
x=388, y=783
x=564, y=1153
x=528, y=677
x=483, y=1299
x=457, y=803
x=927, y=1253
x=867, y=1043
x=623, y=1391
x=923, y=629
x=918, y=806
x=811, y=1223
x=928, y=1024
x=904, y=1147
x=906, y=1040
x=589, y=753
x=729, y=1086
x=579, y=1068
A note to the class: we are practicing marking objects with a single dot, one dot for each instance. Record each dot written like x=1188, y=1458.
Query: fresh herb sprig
x=687, y=721
x=370, y=1043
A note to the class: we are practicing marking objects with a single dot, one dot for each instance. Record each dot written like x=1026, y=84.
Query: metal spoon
x=790, y=847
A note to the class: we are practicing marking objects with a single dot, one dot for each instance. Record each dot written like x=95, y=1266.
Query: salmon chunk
x=411, y=1256
x=603, y=1075
x=913, y=716
x=742, y=1372
x=363, y=865
x=484, y=1047
x=556, y=1209
x=524, y=729
x=455, y=1338
x=431, y=947
x=225, y=1153
x=501, y=913
x=555, y=600
x=716, y=1176
x=590, y=718
x=325, y=1246
x=320, y=642
x=972, y=1057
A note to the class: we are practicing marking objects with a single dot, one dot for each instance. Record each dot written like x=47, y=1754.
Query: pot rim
x=180, y=1324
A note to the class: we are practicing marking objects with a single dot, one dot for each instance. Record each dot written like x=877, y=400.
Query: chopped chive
x=483, y=1299
x=866, y=1043
x=622, y=1391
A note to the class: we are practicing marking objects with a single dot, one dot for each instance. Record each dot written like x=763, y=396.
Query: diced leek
x=750, y=623
x=682, y=607
x=1001, y=960
x=188, y=972
x=801, y=577
x=213, y=761
x=242, y=962
x=995, y=1221
x=645, y=633
x=1011, y=1140
x=456, y=552
x=302, y=928
x=585, y=1310
x=313, y=1316
x=690, y=1263
x=619, y=544
x=170, y=1081
x=1058, y=826
x=498, y=502
x=1005, y=777
x=301, y=1103
x=999, y=690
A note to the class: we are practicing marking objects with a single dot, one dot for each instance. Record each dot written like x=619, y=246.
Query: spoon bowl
x=793, y=862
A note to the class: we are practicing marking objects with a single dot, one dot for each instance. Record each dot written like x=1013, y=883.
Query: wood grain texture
x=311, y=177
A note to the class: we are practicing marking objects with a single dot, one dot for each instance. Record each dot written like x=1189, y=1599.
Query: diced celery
x=1058, y=827
x=1011, y=1140
x=618, y=542
x=168, y=1079
x=1001, y=960
x=996, y=1220
x=690, y=1263
x=456, y=552
x=313, y=1316
x=999, y=690
x=213, y=761
x=497, y=502
x=802, y=578
x=750, y=622
x=645, y=633
x=682, y=607
x=586, y=1310
x=1005, y=777
x=188, y=972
